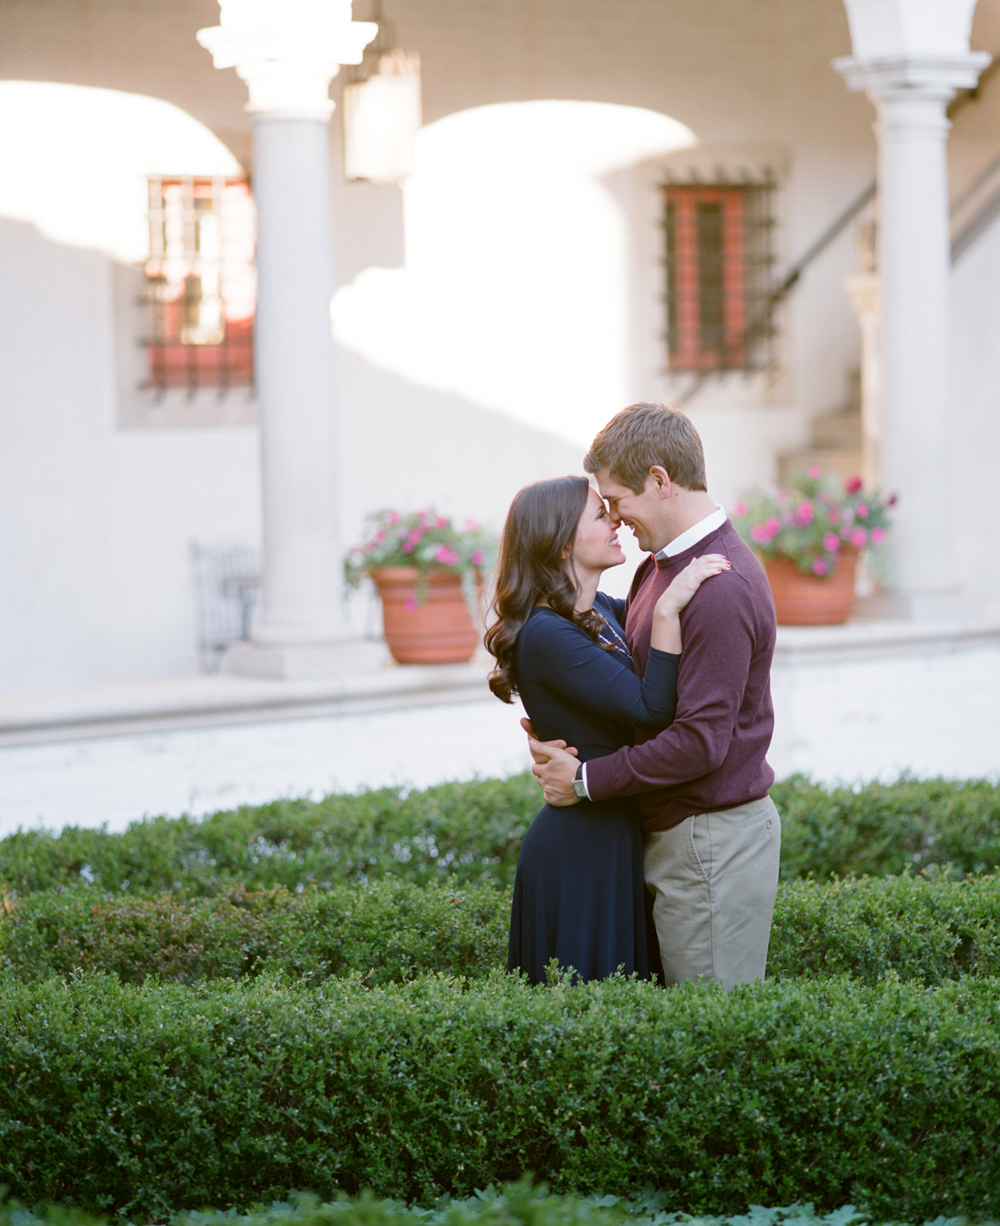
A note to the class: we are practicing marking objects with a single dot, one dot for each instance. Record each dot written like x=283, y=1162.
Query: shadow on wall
x=407, y=446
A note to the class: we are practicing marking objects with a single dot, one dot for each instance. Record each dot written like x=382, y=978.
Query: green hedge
x=472, y=832
x=390, y=930
x=921, y=928
x=142, y=1100
x=515, y=1204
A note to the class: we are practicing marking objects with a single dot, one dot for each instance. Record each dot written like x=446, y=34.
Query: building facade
x=596, y=186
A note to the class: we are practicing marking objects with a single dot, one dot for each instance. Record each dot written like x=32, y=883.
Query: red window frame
x=717, y=269
x=183, y=351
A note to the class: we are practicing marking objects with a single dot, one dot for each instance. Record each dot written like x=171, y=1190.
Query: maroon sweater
x=712, y=756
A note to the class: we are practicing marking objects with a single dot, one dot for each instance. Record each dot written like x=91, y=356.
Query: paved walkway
x=200, y=770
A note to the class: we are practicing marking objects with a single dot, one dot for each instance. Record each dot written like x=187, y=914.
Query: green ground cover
x=517, y=1204
x=924, y=928
x=471, y=832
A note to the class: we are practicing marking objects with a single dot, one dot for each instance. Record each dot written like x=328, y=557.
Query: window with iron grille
x=718, y=271
x=201, y=284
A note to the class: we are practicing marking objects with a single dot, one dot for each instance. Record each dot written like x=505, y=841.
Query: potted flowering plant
x=429, y=575
x=809, y=537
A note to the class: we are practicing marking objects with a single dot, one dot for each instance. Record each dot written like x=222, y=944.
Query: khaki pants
x=713, y=878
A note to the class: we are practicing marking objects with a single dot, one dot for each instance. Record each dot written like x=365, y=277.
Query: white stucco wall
x=975, y=413
x=95, y=521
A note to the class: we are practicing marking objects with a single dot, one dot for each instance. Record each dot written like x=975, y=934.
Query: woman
x=579, y=895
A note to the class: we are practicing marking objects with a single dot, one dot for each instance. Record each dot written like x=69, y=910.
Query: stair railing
x=760, y=325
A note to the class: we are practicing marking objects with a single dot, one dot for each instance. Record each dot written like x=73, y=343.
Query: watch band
x=579, y=787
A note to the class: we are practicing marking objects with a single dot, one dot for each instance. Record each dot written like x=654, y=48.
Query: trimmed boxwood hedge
x=472, y=832
x=923, y=928
x=144, y=1099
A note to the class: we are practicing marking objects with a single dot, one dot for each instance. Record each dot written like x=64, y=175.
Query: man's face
x=646, y=512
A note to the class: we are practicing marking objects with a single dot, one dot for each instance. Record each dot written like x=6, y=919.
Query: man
x=712, y=832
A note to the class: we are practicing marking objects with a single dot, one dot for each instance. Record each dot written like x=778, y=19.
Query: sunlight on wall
x=514, y=291
x=88, y=188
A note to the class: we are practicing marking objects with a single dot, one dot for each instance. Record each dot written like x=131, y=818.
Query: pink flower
x=445, y=556
x=412, y=541
x=740, y=508
x=814, y=472
x=859, y=537
x=472, y=525
x=852, y=485
x=441, y=521
x=410, y=603
x=834, y=515
x=773, y=526
x=760, y=534
x=804, y=515
x=392, y=518
x=819, y=566
x=477, y=558
x=878, y=536
x=831, y=542
x=861, y=510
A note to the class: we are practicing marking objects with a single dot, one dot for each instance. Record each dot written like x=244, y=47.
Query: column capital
x=287, y=51
x=923, y=77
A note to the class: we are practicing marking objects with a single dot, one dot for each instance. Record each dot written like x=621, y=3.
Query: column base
x=300, y=661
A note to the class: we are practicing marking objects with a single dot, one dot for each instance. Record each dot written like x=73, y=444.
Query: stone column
x=910, y=91
x=863, y=292
x=287, y=52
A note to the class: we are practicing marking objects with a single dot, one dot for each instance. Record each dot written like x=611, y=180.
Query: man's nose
x=615, y=518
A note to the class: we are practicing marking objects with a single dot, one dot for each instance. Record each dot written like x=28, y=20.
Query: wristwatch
x=579, y=787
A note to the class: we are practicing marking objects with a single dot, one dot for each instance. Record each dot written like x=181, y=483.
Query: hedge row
x=515, y=1204
x=472, y=832
x=142, y=1100
x=921, y=928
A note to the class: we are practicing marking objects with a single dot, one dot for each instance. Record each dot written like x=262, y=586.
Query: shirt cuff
x=583, y=776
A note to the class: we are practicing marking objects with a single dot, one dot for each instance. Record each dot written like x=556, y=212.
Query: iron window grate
x=200, y=283
x=718, y=265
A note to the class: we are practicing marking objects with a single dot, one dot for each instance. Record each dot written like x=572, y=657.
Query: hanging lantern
x=381, y=109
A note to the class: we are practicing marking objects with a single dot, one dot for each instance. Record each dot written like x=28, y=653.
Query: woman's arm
x=666, y=635
x=567, y=661
x=560, y=656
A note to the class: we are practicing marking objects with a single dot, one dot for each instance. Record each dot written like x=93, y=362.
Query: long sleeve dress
x=579, y=895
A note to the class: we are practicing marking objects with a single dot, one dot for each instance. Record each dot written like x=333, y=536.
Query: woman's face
x=595, y=544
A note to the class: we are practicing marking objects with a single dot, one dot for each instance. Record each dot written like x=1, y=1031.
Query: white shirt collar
x=697, y=532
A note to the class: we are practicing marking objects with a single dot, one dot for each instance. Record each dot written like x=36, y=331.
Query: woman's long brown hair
x=540, y=524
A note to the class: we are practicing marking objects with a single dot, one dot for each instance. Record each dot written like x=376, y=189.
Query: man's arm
x=719, y=641
x=718, y=647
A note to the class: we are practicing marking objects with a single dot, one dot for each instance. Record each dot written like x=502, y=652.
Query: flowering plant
x=426, y=541
x=814, y=520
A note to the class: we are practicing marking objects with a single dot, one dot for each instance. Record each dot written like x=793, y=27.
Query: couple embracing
x=656, y=852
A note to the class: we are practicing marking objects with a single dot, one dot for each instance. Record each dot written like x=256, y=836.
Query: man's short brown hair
x=643, y=435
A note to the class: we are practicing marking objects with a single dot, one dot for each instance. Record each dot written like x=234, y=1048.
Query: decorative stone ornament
x=287, y=51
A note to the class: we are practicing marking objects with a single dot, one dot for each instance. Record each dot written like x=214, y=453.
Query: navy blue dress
x=579, y=895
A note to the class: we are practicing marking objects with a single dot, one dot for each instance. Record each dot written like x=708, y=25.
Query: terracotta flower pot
x=812, y=600
x=437, y=631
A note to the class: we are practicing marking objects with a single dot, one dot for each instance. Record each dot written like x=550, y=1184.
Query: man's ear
x=661, y=481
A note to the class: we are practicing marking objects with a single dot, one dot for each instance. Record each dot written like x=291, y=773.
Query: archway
x=513, y=294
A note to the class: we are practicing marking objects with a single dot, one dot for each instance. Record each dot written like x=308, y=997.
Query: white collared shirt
x=691, y=536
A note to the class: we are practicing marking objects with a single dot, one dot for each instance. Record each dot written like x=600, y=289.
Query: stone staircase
x=835, y=442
